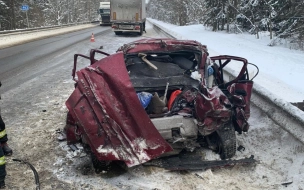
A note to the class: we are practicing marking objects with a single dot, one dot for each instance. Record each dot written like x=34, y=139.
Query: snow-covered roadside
x=280, y=68
x=17, y=39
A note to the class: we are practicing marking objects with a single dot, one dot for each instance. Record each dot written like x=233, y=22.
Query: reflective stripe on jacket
x=2, y=133
x=2, y=161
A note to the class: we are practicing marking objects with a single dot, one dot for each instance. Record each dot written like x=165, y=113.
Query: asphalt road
x=14, y=61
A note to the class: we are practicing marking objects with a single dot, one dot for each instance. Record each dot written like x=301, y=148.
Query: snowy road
x=34, y=111
x=25, y=61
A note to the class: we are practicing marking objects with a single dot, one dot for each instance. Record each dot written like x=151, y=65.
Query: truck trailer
x=128, y=16
x=104, y=12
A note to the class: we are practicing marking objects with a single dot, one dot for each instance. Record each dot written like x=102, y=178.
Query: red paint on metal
x=247, y=87
x=211, y=111
x=240, y=90
x=110, y=117
x=163, y=44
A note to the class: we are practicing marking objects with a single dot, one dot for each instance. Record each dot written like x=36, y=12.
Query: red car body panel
x=241, y=102
x=211, y=111
x=110, y=117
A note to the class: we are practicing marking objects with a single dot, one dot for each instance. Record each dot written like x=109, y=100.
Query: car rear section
x=153, y=99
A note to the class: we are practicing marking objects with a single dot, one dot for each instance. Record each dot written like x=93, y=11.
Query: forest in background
x=46, y=13
x=283, y=19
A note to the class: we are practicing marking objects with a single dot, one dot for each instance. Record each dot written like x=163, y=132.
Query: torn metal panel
x=161, y=45
x=211, y=110
x=110, y=116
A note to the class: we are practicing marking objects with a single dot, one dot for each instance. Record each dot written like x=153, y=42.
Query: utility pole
x=13, y=18
x=68, y=12
x=28, y=25
x=73, y=12
x=90, y=10
x=25, y=8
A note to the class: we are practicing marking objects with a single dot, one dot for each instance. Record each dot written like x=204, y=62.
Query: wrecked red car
x=154, y=98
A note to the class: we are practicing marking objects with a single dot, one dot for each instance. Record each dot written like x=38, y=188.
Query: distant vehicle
x=128, y=16
x=104, y=12
x=156, y=98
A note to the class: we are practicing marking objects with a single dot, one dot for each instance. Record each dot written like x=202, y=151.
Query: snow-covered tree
x=283, y=18
x=46, y=12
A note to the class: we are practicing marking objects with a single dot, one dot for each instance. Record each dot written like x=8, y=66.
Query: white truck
x=128, y=16
x=104, y=12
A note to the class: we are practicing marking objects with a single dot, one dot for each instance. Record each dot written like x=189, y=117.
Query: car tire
x=99, y=165
x=141, y=30
x=118, y=33
x=226, y=141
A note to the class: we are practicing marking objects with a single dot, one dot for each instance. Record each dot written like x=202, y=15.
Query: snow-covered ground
x=281, y=68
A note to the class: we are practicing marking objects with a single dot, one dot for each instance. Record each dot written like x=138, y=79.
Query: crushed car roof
x=161, y=44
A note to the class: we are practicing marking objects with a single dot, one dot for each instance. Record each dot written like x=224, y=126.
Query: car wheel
x=118, y=33
x=144, y=27
x=226, y=141
x=100, y=165
x=141, y=30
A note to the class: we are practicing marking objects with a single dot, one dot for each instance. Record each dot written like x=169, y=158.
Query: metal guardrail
x=158, y=28
x=42, y=28
x=283, y=113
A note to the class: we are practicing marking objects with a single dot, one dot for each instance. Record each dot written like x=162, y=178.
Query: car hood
x=110, y=117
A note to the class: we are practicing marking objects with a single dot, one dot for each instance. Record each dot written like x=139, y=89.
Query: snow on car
x=155, y=98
